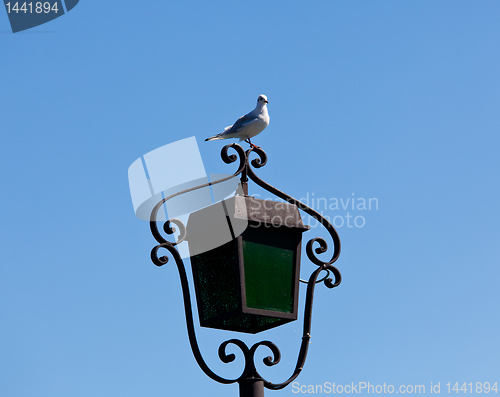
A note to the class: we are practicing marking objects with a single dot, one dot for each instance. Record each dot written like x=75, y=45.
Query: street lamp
x=249, y=282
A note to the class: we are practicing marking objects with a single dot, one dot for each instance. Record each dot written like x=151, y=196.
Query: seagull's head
x=262, y=100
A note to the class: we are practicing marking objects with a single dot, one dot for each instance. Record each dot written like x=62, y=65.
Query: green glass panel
x=217, y=275
x=268, y=276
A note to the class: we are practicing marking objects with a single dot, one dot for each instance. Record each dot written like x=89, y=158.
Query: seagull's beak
x=266, y=101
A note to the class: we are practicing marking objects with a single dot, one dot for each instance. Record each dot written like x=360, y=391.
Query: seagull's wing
x=242, y=122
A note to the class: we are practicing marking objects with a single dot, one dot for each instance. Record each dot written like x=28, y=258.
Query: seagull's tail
x=215, y=137
x=222, y=135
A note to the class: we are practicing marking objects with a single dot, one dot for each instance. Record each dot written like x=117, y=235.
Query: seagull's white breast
x=256, y=126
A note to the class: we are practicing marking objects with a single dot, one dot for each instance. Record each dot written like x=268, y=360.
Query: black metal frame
x=251, y=383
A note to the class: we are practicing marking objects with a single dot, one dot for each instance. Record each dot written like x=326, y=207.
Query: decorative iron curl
x=268, y=361
x=250, y=371
x=169, y=229
x=228, y=159
x=229, y=358
x=163, y=260
x=261, y=161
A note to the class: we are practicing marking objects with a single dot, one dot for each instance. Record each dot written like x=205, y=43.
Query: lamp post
x=250, y=283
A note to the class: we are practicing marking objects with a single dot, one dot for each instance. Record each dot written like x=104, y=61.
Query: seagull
x=247, y=126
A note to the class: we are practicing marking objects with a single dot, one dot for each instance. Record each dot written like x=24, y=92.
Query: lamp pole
x=251, y=383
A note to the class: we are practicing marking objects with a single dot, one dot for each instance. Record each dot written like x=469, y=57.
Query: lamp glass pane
x=269, y=271
x=217, y=280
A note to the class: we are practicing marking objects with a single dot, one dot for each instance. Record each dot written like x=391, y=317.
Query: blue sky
x=393, y=100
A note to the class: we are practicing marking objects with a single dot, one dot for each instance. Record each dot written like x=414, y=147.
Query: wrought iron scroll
x=249, y=371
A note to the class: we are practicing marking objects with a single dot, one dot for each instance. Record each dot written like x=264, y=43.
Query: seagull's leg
x=252, y=145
